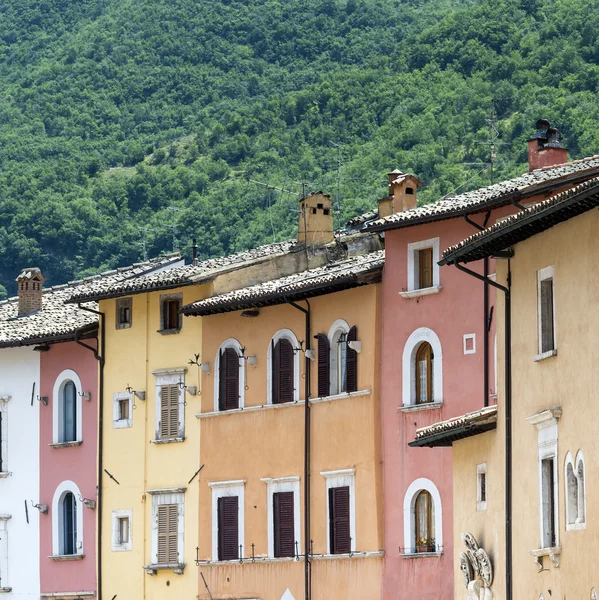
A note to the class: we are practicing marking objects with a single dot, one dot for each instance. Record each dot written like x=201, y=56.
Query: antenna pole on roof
x=144, y=231
x=174, y=210
x=194, y=250
x=337, y=200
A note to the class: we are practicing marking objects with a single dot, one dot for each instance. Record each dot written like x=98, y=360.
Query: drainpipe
x=307, y=578
x=102, y=360
x=508, y=417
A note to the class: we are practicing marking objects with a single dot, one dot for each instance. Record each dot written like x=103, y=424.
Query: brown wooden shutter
x=324, y=365
x=425, y=268
x=168, y=551
x=547, y=334
x=352, y=362
x=228, y=379
x=339, y=520
x=284, y=526
x=283, y=365
x=169, y=411
x=228, y=536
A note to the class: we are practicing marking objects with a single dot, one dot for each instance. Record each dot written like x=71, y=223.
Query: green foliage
x=115, y=113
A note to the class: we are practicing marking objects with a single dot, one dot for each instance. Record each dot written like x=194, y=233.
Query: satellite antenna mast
x=337, y=200
x=174, y=210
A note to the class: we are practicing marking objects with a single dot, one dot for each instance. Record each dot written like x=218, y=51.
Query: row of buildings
x=278, y=424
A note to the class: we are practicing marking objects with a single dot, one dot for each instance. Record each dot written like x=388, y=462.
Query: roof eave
x=448, y=437
x=70, y=336
x=122, y=293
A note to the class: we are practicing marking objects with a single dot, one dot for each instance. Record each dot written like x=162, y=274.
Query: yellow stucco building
x=531, y=485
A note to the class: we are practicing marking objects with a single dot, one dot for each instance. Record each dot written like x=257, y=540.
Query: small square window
x=124, y=313
x=123, y=410
x=469, y=343
x=121, y=530
x=170, y=318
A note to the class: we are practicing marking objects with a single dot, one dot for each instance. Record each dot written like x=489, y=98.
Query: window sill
x=5, y=590
x=168, y=331
x=65, y=444
x=552, y=553
x=176, y=440
x=63, y=595
x=422, y=292
x=418, y=407
x=4, y=474
x=176, y=568
x=265, y=559
x=421, y=554
x=575, y=526
x=66, y=557
x=122, y=424
x=544, y=355
x=120, y=326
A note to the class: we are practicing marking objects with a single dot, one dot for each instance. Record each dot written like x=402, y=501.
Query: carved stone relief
x=477, y=569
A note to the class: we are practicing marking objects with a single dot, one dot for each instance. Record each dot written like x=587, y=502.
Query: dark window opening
x=228, y=532
x=284, y=525
x=282, y=372
x=326, y=211
x=171, y=319
x=228, y=379
x=410, y=191
x=339, y=533
x=69, y=524
x=69, y=413
x=123, y=313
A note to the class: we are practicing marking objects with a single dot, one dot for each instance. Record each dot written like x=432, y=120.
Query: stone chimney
x=402, y=193
x=315, y=219
x=30, y=283
x=544, y=147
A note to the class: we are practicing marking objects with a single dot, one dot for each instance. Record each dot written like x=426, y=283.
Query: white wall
x=19, y=369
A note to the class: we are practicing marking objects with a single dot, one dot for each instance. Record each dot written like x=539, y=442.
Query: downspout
x=508, y=417
x=102, y=360
x=307, y=578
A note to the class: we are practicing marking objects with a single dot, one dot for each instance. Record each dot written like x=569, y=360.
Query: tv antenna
x=144, y=232
x=174, y=210
x=337, y=201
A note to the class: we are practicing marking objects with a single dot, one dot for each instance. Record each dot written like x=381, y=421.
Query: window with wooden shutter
x=168, y=534
x=425, y=268
x=228, y=531
x=228, y=379
x=324, y=365
x=170, y=318
x=169, y=411
x=546, y=305
x=339, y=522
x=424, y=373
x=283, y=526
x=352, y=362
x=282, y=372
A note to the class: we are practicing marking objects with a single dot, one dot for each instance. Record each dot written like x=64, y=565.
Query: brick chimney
x=30, y=283
x=544, y=147
x=402, y=193
x=315, y=219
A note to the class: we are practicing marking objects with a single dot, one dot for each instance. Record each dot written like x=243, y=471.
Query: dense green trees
x=114, y=113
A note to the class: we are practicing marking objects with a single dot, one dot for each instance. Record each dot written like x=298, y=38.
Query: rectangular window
x=548, y=501
x=170, y=319
x=481, y=486
x=283, y=525
x=339, y=524
x=124, y=410
x=546, y=311
x=425, y=268
x=168, y=534
x=169, y=412
x=121, y=412
x=121, y=530
x=228, y=528
x=124, y=313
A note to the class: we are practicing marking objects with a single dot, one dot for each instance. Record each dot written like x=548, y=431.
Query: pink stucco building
x=438, y=349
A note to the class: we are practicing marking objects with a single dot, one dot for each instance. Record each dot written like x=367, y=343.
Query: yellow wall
x=132, y=355
x=567, y=381
x=269, y=442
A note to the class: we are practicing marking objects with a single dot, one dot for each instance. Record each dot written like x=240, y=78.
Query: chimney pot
x=30, y=290
x=402, y=193
x=315, y=219
x=544, y=147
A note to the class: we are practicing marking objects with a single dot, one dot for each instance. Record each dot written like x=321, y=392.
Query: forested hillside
x=120, y=118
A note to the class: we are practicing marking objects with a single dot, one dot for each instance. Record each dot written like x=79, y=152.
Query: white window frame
x=481, y=470
x=172, y=377
x=161, y=497
x=286, y=334
x=117, y=546
x=61, y=380
x=579, y=523
x=543, y=275
x=57, y=524
x=409, y=513
x=335, y=479
x=423, y=334
x=546, y=423
x=229, y=343
x=275, y=486
x=224, y=489
x=339, y=327
x=4, y=553
x=469, y=337
x=4, y=437
x=413, y=265
x=118, y=423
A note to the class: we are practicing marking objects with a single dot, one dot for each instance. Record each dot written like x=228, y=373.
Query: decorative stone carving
x=593, y=594
x=477, y=569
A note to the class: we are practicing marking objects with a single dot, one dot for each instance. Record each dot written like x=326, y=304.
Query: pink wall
x=77, y=464
x=456, y=310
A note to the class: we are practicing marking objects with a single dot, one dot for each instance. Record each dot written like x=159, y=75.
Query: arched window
x=424, y=373
x=422, y=368
x=575, y=492
x=68, y=530
x=338, y=352
x=229, y=375
x=283, y=368
x=66, y=408
x=423, y=525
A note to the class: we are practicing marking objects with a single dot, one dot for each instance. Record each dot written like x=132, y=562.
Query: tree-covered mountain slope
x=124, y=124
